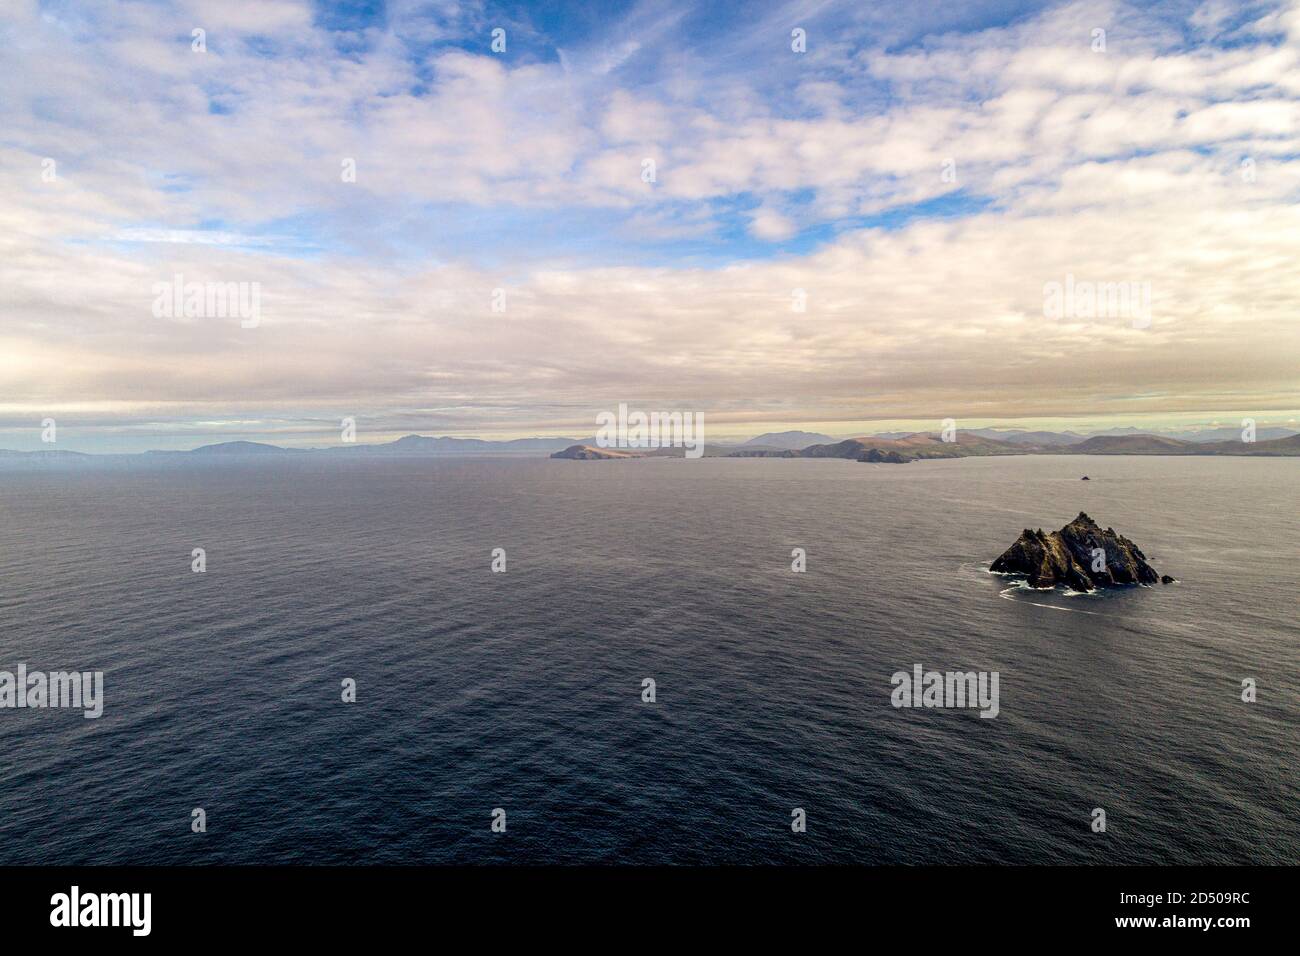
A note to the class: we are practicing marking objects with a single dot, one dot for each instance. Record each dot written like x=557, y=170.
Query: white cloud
x=770, y=224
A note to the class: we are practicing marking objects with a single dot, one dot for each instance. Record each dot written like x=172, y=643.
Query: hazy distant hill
x=49, y=454
x=1131, y=445
x=239, y=448
x=1273, y=447
x=1158, y=445
x=407, y=445
x=1232, y=434
x=421, y=445
x=1018, y=437
x=793, y=439
x=1198, y=435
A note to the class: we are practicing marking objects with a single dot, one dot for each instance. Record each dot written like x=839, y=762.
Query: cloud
x=770, y=224
x=1158, y=161
x=201, y=236
x=266, y=17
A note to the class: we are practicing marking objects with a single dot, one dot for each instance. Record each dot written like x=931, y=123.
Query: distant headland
x=974, y=443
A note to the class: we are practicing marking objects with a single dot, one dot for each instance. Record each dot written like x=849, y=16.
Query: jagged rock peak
x=1080, y=556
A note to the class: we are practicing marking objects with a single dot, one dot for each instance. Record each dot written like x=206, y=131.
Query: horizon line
x=1155, y=431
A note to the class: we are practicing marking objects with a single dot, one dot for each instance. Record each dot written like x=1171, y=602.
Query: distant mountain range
x=412, y=445
x=888, y=447
x=419, y=445
x=1028, y=438
x=896, y=450
x=967, y=444
x=1159, y=445
x=406, y=445
x=1067, y=437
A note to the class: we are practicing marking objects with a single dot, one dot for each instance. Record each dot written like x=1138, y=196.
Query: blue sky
x=860, y=232
x=560, y=33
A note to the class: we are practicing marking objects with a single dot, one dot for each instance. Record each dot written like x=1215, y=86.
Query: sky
x=839, y=216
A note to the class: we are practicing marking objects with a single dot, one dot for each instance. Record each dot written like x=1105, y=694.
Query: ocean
x=523, y=690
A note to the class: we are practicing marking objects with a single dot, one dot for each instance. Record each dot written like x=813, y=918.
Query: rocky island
x=588, y=453
x=1080, y=556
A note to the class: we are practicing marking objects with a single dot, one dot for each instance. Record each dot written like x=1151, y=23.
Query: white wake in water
x=979, y=571
x=1008, y=595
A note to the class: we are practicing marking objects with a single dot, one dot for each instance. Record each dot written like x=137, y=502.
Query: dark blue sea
x=523, y=690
